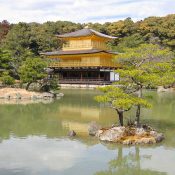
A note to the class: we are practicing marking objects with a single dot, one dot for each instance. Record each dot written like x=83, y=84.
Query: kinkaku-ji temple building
x=84, y=58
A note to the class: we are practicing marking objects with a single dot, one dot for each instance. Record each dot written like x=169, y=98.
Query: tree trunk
x=138, y=115
x=28, y=84
x=138, y=108
x=120, y=115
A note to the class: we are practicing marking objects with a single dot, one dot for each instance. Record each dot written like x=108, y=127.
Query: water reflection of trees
x=161, y=116
x=163, y=106
x=128, y=164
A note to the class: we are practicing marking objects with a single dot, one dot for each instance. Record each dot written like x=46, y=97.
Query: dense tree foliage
x=37, y=37
x=32, y=70
x=7, y=79
x=41, y=37
x=5, y=67
x=5, y=59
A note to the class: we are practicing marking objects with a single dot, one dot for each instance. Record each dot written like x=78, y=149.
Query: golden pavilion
x=84, y=58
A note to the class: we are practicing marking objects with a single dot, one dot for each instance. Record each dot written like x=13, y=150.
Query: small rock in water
x=71, y=133
x=159, y=137
x=93, y=128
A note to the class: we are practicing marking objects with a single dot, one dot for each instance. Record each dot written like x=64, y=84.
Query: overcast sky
x=82, y=10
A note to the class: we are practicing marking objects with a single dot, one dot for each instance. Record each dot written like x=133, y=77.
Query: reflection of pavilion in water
x=78, y=108
x=78, y=118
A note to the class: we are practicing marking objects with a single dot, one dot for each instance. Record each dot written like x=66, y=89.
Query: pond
x=33, y=138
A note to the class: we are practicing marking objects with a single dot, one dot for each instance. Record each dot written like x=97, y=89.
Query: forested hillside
x=41, y=37
x=27, y=40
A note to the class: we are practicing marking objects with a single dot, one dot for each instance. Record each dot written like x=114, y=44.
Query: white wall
x=114, y=76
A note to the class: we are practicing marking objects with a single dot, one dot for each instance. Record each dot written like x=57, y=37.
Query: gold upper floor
x=84, y=43
x=87, y=60
x=85, y=39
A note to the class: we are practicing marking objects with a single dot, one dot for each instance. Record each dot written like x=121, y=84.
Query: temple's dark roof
x=76, y=52
x=85, y=32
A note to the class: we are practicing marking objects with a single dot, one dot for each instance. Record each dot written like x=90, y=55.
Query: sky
x=82, y=11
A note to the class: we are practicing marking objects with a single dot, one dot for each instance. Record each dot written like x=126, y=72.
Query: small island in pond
x=130, y=135
x=127, y=135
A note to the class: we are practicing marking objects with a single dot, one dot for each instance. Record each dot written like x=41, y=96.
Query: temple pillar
x=81, y=75
x=99, y=75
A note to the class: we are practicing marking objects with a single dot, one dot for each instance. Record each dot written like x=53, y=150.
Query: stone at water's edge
x=129, y=135
x=158, y=136
x=93, y=128
x=112, y=135
x=71, y=133
x=17, y=93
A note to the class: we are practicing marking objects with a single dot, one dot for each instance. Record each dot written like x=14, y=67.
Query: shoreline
x=22, y=96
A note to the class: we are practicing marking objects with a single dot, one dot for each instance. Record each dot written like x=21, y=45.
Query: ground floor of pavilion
x=86, y=76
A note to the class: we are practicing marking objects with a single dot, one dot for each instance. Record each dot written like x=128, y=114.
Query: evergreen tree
x=145, y=66
x=119, y=100
x=32, y=70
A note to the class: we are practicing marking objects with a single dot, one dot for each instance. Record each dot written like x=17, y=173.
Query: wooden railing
x=83, y=81
x=81, y=64
x=75, y=46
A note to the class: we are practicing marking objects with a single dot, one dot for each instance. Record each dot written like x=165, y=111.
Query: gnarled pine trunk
x=138, y=115
x=120, y=115
x=138, y=108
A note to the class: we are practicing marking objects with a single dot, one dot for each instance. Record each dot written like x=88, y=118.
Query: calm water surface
x=33, y=138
